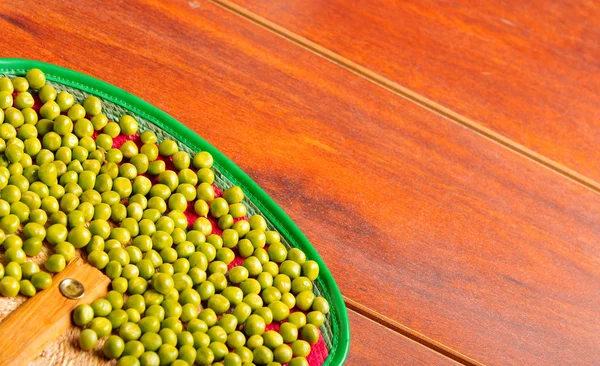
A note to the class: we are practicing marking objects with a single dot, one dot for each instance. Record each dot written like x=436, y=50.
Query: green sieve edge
x=340, y=342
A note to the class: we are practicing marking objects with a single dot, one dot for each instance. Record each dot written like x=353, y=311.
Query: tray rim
x=339, y=352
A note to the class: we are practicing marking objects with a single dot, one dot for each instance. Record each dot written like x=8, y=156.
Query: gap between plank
x=409, y=333
x=410, y=95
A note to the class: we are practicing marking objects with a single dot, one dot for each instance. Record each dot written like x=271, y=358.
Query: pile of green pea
x=173, y=300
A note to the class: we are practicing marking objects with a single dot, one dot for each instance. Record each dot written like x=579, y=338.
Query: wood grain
x=34, y=325
x=419, y=219
x=373, y=344
x=526, y=70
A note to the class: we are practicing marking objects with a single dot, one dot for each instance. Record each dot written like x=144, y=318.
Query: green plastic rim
x=339, y=339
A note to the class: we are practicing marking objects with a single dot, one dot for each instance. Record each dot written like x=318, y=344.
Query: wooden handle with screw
x=28, y=330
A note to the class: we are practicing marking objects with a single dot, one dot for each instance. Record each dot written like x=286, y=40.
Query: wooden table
x=441, y=156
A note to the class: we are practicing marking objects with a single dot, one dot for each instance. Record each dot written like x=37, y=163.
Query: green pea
x=119, y=284
x=35, y=78
x=262, y=355
x=153, y=297
x=185, y=249
x=187, y=355
x=136, y=302
x=300, y=284
x=162, y=283
x=189, y=312
x=113, y=269
x=219, y=207
x=115, y=299
x=113, y=347
x=134, y=315
x=151, y=341
x=47, y=93
x=219, y=349
x=233, y=195
x=137, y=285
x=203, y=225
x=165, y=224
x=88, y=339
x=14, y=118
x=181, y=265
x=185, y=339
x=130, y=331
x=50, y=110
x=289, y=332
x=304, y=300
x=99, y=259
x=242, y=227
x=6, y=99
x=101, y=326
x=204, y=356
x=65, y=100
x=315, y=318
x=101, y=307
x=128, y=125
x=92, y=105
x=83, y=315
x=97, y=243
x=265, y=313
x=127, y=360
x=203, y=160
x=289, y=300
x=117, y=318
x=290, y=268
x=254, y=301
x=181, y=160
x=135, y=254
x=205, y=175
x=168, y=148
x=320, y=304
x=41, y=280
x=133, y=349
x=254, y=325
x=55, y=263
x=66, y=249
x=253, y=266
x=9, y=286
x=167, y=354
x=129, y=149
x=154, y=257
x=151, y=323
x=182, y=281
x=149, y=358
x=28, y=269
x=208, y=316
x=201, y=207
x=79, y=236
x=173, y=324
x=242, y=311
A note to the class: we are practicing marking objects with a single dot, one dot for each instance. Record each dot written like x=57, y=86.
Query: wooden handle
x=34, y=325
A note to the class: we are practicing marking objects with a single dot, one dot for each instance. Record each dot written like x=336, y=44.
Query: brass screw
x=71, y=289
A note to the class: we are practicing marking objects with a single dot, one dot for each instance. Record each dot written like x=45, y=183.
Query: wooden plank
x=374, y=344
x=419, y=219
x=527, y=70
x=34, y=325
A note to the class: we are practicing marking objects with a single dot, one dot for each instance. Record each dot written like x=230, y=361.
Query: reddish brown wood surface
x=526, y=69
x=418, y=219
x=374, y=344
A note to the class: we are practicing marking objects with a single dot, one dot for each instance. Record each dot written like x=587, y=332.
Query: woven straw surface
x=65, y=351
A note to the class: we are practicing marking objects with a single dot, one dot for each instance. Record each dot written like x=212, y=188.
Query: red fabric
x=319, y=351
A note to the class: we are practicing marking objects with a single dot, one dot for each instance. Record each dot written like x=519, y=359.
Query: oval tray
x=336, y=330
